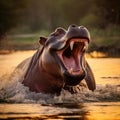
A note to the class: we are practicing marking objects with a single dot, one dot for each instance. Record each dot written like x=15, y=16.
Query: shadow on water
x=61, y=111
x=80, y=111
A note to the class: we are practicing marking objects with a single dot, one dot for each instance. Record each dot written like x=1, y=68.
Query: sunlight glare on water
x=104, y=111
x=102, y=104
x=106, y=70
x=9, y=61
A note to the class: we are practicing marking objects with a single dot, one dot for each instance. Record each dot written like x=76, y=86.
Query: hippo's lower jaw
x=73, y=80
x=71, y=61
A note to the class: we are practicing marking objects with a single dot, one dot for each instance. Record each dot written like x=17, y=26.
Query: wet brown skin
x=60, y=62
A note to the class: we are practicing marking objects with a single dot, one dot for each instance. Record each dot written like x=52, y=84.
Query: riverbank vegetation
x=23, y=22
x=105, y=41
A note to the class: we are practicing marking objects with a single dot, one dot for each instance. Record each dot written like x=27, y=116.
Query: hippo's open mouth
x=71, y=58
x=72, y=55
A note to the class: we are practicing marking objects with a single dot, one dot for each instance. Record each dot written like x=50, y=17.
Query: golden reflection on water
x=106, y=70
x=9, y=61
x=104, y=111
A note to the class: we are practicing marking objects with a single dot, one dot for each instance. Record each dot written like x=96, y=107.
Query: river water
x=17, y=102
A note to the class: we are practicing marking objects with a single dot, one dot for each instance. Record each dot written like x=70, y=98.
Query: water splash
x=12, y=90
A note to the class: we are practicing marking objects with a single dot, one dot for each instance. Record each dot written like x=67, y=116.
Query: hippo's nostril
x=81, y=27
x=73, y=25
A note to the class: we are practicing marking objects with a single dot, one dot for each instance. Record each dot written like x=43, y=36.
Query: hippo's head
x=64, y=53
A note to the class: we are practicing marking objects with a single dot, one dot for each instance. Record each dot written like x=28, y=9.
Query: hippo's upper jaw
x=70, y=56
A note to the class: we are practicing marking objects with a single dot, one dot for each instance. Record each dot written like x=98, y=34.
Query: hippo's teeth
x=71, y=70
x=86, y=46
x=71, y=45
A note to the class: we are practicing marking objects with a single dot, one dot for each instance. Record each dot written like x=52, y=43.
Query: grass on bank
x=107, y=40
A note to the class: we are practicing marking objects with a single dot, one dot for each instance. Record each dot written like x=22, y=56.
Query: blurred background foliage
x=101, y=17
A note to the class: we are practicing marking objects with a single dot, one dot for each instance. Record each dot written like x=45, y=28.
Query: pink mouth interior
x=71, y=57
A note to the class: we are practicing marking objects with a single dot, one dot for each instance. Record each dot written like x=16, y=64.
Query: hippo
x=59, y=63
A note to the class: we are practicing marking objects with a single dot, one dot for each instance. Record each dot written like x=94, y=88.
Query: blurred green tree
x=10, y=12
x=49, y=14
x=109, y=11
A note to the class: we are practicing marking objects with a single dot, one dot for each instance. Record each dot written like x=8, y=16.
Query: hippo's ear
x=42, y=40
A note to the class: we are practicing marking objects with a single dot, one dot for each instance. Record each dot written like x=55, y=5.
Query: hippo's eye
x=59, y=31
x=56, y=33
